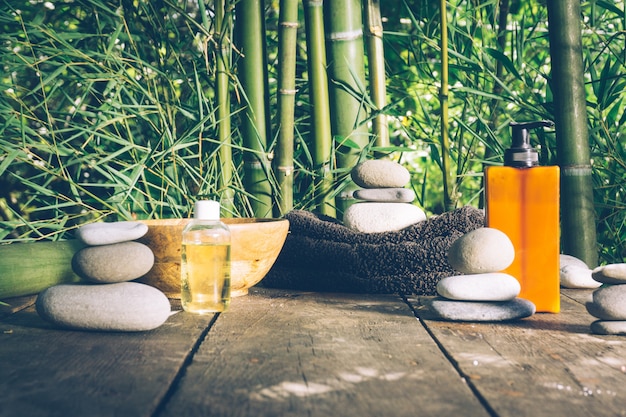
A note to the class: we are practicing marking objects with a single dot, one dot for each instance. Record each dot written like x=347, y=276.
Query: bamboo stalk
x=283, y=165
x=252, y=65
x=578, y=228
x=449, y=201
x=376, y=67
x=503, y=18
x=225, y=179
x=344, y=37
x=320, y=106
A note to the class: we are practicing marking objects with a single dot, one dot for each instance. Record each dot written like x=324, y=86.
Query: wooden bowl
x=255, y=245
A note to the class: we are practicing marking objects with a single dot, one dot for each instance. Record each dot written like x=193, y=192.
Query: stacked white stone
x=483, y=293
x=608, y=304
x=386, y=205
x=108, y=301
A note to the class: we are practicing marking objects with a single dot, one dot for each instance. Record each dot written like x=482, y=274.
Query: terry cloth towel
x=321, y=254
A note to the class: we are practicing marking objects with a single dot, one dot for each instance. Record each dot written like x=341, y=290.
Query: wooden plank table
x=288, y=353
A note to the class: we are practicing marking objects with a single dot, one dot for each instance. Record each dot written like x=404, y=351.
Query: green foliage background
x=107, y=108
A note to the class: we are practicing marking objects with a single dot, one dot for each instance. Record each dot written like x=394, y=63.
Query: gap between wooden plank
x=278, y=353
x=546, y=365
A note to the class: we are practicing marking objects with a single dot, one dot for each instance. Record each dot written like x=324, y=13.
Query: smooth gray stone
x=565, y=260
x=113, y=263
x=382, y=217
x=609, y=303
x=94, y=234
x=610, y=274
x=124, y=307
x=481, y=250
x=380, y=173
x=385, y=195
x=608, y=327
x=494, y=286
x=481, y=311
x=575, y=276
x=598, y=311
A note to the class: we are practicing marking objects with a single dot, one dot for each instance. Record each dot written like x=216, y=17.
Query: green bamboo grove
x=125, y=110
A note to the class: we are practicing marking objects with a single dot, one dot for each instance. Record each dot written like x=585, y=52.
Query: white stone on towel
x=385, y=195
x=382, y=217
x=380, y=173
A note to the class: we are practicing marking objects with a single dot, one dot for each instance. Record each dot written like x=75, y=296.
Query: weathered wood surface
x=50, y=372
x=310, y=354
x=546, y=365
x=285, y=353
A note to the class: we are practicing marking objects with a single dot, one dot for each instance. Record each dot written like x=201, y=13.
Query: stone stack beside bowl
x=385, y=202
x=107, y=301
x=483, y=293
x=608, y=303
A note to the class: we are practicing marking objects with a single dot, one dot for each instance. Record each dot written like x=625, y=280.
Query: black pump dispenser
x=521, y=154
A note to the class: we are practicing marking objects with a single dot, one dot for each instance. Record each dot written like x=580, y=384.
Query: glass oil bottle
x=205, y=263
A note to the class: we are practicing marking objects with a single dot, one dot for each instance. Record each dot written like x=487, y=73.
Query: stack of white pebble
x=108, y=301
x=483, y=293
x=608, y=303
x=385, y=204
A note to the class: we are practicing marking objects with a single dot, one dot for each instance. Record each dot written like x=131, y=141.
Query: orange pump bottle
x=522, y=200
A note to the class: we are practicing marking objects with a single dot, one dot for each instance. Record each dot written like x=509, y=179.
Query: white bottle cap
x=207, y=210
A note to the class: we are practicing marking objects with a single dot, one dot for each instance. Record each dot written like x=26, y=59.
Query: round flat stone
x=573, y=275
x=94, y=234
x=125, y=306
x=610, y=274
x=382, y=217
x=494, y=286
x=113, y=263
x=385, y=195
x=565, y=260
x=479, y=311
x=481, y=250
x=380, y=173
x=609, y=303
x=608, y=327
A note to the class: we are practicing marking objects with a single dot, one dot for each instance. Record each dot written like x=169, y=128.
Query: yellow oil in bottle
x=205, y=261
x=205, y=277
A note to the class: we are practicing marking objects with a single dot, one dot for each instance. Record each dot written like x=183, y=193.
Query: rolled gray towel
x=320, y=254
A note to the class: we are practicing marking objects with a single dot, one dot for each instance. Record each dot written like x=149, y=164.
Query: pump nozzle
x=521, y=154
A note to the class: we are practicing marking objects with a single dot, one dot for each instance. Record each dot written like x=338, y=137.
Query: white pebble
x=382, y=217
x=125, y=306
x=573, y=275
x=494, y=286
x=480, y=251
x=108, y=233
x=610, y=274
x=565, y=260
x=113, y=263
x=380, y=173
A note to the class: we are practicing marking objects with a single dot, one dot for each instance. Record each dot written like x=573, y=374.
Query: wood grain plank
x=13, y=305
x=546, y=365
x=50, y=372
x=309, y=354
